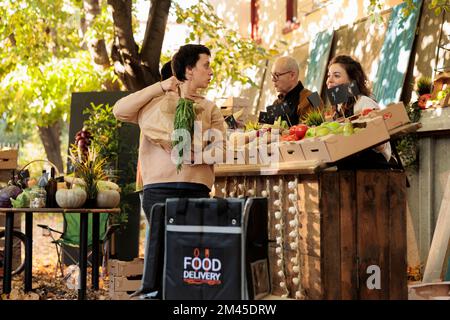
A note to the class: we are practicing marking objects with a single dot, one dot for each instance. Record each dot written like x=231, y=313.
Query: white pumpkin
x=71, y=198
x=108, y=199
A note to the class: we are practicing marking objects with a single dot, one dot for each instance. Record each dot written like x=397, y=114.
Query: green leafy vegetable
x=184, y=119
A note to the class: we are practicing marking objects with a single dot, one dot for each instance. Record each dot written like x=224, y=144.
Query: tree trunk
x=138, y=70
x=96, y=47
x=50, y=137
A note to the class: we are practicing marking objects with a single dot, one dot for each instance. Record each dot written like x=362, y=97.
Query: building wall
x=364, y=41
x=357, y=35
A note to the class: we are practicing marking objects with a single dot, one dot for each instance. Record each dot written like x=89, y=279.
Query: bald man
x=291, y=94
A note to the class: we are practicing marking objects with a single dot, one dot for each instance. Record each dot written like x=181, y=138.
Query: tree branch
x=154, y=35
x=96, y=47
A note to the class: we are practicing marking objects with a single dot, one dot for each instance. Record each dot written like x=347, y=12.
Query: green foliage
x=42, y=61
x=439, y=6
x=424, y=85
x=232, y=55
x=408, y=146
x=90, y=168
x=375, y=6
x=105, y=130
x=442, y=94
x=313, y=118
x=40, y=95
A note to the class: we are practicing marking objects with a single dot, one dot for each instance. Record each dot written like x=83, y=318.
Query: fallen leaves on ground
x=48, y=287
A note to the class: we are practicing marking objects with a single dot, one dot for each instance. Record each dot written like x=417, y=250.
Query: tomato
x=299, y=130
x=290, y=137
x=366, y=111
x=423, y=100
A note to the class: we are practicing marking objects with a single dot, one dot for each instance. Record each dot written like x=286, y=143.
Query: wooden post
x=435, y=262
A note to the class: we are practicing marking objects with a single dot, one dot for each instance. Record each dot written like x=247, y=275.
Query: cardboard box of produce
x=269, y=154
x=394, y=115
x=291, y=151
x=334, y=147
x=8, y=159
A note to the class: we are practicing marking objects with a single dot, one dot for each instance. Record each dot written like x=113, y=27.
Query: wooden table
x=29, y=233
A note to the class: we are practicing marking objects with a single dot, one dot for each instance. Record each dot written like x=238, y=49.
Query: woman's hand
x=170, y=84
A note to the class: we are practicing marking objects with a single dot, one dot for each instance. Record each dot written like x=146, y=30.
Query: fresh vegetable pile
x=8, y=193
x=184, y=119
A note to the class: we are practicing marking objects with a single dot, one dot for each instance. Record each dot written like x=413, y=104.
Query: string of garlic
x=295, y=237
x=279, y=226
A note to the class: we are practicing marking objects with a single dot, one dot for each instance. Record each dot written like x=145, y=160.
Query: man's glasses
x=276, y=75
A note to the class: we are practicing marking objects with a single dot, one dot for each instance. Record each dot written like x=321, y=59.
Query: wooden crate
x=349, y=223
x=124, y=278
x=120, y=288
x=8, y=159
x=126, y=268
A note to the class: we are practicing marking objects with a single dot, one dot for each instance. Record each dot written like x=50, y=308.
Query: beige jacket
x=155, y=162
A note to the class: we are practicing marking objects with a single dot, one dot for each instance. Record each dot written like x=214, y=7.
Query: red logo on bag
x=387, y=115
x=202, y=270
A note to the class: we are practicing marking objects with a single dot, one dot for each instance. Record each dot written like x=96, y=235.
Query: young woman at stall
x=343, y=70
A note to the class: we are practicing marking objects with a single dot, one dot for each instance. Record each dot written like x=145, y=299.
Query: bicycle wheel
x=19, y=240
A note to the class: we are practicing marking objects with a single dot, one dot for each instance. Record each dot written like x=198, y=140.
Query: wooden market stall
x=333, y=234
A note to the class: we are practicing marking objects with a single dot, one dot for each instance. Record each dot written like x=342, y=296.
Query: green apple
x=333, y=126
x=348, y=129
x=322, y=131
x=311, y=132
x=339, y=130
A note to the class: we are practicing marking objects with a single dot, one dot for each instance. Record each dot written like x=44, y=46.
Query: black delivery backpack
x=216, y=249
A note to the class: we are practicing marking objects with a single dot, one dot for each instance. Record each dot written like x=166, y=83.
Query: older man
x=292, y=96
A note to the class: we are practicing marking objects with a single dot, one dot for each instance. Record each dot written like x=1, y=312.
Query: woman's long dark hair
x=355, y=73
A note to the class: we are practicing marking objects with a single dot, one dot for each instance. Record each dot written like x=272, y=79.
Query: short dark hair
x=354, y=71
x=166, y=71
x=187, y=56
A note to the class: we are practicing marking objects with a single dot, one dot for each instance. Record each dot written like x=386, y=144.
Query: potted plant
x=89, y=166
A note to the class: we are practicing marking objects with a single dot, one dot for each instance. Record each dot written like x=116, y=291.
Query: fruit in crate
x=423, y=99
x=252, y=125
x=311, y=132
x=322, y=131
x=348, y=129
x=280, y=124
x=332, y=126
x=299, y=130
x=289, y=137
x=366, y=111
